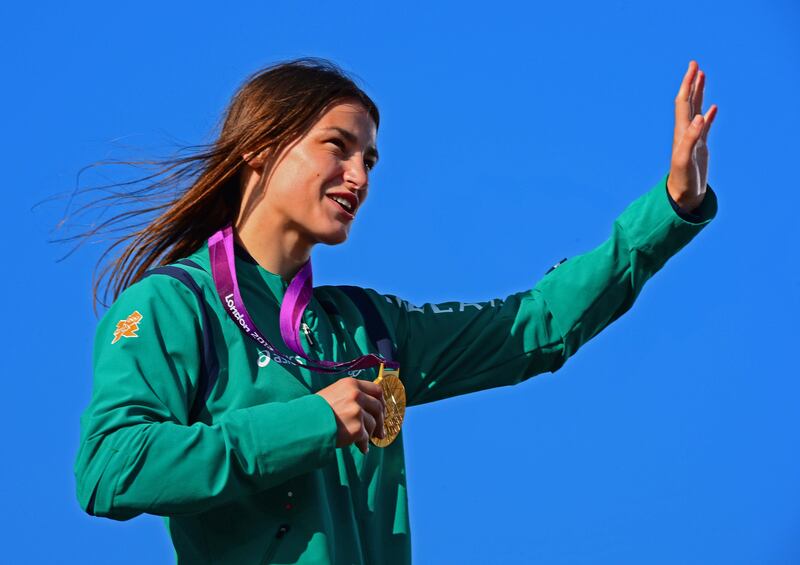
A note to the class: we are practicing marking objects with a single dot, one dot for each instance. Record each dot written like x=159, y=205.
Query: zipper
x=307, y=331
x=273, y=547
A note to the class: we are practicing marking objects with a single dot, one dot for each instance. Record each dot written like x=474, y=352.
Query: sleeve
x=688, y=215
x=456, y=348
x=137, y=452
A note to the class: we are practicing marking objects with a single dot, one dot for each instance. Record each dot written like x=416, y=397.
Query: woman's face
x=331, y=162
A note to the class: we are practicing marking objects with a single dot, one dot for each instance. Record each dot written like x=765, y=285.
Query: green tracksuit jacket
x=257, y=477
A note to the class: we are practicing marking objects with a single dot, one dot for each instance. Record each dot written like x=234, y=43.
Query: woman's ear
x=255, y=161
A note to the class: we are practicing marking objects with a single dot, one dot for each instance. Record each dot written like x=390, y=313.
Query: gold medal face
x=394, y=396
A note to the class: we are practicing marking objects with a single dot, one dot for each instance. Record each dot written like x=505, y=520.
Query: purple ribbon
x=298, y=295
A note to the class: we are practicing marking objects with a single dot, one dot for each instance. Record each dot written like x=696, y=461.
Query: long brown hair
x=273, y=108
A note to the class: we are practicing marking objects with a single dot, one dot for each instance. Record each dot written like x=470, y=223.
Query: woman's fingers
x=371, y=388
x=363, y=444
x=683, y=154
x=709, y=119
x=697, y=93
x=375, y=403
x=689, y=103
x=698, y=129
x=359, y=409
x=368, y=424
x=683, y=105
x=373, y=414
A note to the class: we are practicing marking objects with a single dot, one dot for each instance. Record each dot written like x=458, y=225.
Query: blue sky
x=512, y=135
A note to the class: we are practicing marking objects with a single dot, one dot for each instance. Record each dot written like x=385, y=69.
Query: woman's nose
x=356, y=173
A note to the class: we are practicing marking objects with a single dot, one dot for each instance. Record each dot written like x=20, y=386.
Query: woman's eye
x=338, y=143
x=341, y=145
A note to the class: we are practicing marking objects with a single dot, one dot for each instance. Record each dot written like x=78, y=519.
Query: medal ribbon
x=298, y=295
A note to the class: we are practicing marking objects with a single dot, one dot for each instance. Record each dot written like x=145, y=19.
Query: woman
x=249, y=455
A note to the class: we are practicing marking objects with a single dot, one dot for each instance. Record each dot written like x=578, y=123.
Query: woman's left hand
x=688, y=173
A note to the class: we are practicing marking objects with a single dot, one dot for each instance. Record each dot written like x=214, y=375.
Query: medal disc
x=394, y=396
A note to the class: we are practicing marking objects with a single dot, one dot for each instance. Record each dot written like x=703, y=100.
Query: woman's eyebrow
x=351, y=138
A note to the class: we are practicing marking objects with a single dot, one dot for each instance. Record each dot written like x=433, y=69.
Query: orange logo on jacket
x=128, y=327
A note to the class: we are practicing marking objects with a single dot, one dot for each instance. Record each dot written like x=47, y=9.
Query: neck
x=275, y=248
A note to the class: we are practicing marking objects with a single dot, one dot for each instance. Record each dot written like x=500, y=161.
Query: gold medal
x=394, y=396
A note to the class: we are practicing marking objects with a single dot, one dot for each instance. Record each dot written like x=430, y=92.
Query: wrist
x=686, y=203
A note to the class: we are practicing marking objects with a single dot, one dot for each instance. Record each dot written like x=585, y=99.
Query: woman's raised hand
x=359, y=408
x=688, y=173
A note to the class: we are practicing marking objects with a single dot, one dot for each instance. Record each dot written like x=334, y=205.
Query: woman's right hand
x=359, y=408
x=688, y=172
